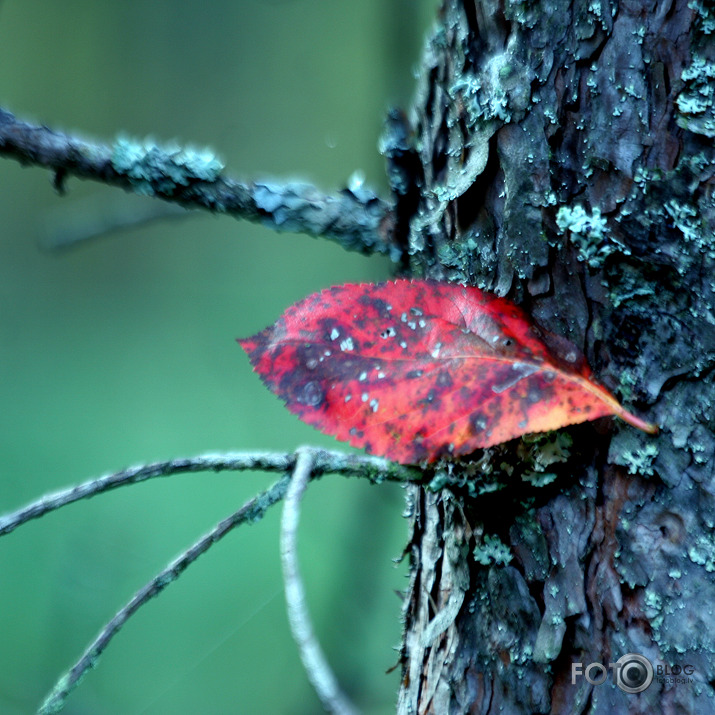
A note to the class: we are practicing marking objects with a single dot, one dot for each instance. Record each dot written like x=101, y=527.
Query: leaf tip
x=247, y=343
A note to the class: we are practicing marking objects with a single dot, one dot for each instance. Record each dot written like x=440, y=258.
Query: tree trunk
x=561, y=153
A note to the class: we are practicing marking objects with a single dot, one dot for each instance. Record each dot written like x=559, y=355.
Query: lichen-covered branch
x=324, y=462
x=356, y=219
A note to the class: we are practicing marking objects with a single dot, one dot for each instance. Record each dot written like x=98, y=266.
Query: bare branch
x=316, y=666
x=320, y=462
x=358, y=220
x=252, y=511
x=375, y=469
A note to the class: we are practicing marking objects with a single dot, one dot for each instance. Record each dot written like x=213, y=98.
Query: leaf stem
x=635, y=421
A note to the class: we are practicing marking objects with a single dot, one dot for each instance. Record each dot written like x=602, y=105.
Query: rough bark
x=561, y=152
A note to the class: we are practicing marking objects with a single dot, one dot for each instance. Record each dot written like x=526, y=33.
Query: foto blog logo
x=633, y=673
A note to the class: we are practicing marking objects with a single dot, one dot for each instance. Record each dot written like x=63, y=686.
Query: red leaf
x=413, y=370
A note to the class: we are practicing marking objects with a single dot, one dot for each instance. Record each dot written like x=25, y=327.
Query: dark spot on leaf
x=478, y=422
x=311, y=394
x=412, y=374
x=431, y=400
x=444, y=379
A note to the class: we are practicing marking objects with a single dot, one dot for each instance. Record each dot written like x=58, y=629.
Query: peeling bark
x=562, y=155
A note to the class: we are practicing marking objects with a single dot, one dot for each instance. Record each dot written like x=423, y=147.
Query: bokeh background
x=122, y=352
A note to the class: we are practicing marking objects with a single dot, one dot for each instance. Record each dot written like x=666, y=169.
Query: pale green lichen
x=481, y=105
x=492, y=550
x=498, y=94
x=653, y=608
x=537, y=479
x=449, y=256
x=549, y=199
x=155, y=169
x=707, y=18
x=539, y=452
x=523, y=12
x=522, y=652
x=477, y=477
x=634, y=451
x=702, y=552
x=577, y=221
x=591, y=81
x=696, y=103
x=685, y=218
x=589, y=234
x=640, y=461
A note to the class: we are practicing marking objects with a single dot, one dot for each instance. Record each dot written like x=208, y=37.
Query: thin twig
x=251, y=512
x=375, y=469
x=91, y=218
x=316, y=666
x=357, y=219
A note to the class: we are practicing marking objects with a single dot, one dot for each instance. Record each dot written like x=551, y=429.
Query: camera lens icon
x=634, y=673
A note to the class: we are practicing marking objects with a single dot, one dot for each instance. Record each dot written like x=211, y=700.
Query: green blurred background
x=123, y=352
